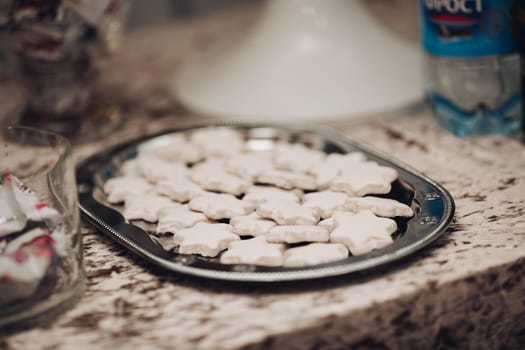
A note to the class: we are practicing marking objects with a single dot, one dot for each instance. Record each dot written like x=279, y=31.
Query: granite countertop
x=465, y=290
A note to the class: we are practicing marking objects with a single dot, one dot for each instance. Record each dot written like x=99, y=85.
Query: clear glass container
x=40, y=275
x=61, y=49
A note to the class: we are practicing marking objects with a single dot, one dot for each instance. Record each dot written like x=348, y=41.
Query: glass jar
x=62, y=48
x=41, y=266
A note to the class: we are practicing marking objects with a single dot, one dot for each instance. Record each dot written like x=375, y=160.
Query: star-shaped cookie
x=297, y=234
x=172, y=219
x=333, y=165
x=145, y=206
x=117, y=188
x=218, y=141
x=179, y=189
x=325, y=202
x=259, y=194
x=210, y=165
x=129, y=168
x=211, y=175
x=220, y=206
x=385, y=207
x=314, y=254
x=254, y=251
x=221, y=182
x=155, y=169
x=362, y=232
x=251, y=225
x=296, y=157
x=327, y=224
x=179, y=149
x=249, y=165
x=287, y=179
x=365, y=178
x=286, y=212
x=204, y=239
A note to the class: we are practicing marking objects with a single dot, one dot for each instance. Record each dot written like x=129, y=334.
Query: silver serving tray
x=432, y=204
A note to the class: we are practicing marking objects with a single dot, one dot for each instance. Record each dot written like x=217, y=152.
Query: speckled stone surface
x=467, y=290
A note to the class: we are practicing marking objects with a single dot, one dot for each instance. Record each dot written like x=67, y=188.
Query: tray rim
x=245, y=275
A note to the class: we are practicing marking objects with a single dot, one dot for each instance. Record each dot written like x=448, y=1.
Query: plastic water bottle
x=472, y=64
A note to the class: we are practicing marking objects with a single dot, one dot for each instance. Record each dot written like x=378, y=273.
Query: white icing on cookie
x=314, y=254
x=129, y=168
x=212, y=176
x=117, y=188
x=172, y=219
x=287, y=179
x=362, y=232
x=296, y=157
x=220, y=206
x=297, y=234
x=210, y=165
x=259, y=194
x=251, y=225
x=155, y=169
x=219, y=141
x=288, y=212
x=365, y=178
x=325, y=202
x=380, y=206
x=179, y=150
x=249, y=165
x=327, y=224
x=172, y=138
x=229, y=168
x=221, y=182
x=179, y=189
x=145, y=206
x=204, y=239
x=333, y=165
x=254, y=251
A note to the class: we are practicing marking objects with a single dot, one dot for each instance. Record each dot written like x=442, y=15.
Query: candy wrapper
x=30, y=231
x=22, y=270
x=32, y=207
x=12, y=219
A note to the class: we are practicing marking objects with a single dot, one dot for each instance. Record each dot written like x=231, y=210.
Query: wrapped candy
x=12, y=219
x=32, y=207
x=29, y=231
x=22, y=270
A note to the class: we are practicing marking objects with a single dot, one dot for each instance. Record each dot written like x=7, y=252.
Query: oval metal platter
x=432, y=204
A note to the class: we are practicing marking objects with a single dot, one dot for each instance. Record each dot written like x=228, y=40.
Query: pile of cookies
x=284, y=205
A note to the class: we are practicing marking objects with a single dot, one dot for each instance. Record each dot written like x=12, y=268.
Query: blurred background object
x=520, y=14
x=304, y=60
x=157, y=12
x=401, y=16
x=159, y=44
x=472, y=65
x=12, y=94
x=60, y=46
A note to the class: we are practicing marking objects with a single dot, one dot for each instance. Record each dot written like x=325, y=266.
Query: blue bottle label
x=469, y=28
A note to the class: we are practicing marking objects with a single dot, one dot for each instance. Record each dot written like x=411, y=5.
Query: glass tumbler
x=41, y=266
